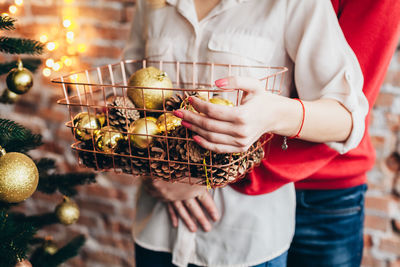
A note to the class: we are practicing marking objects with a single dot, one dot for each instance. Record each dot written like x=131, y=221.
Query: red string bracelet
x=302, y=120
x=285, y=145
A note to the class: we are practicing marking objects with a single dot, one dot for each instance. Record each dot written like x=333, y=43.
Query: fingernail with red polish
x=197, y=139
x=186, y=124
x=190, y=100
x=221, y=82
x=178, y=113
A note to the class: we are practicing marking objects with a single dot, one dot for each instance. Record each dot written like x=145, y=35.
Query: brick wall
x=106, y=207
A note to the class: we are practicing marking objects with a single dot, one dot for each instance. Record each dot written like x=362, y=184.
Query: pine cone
x=133, y=165
x=94, y=160
x=160, y=165
x=175, y=101
x=122, y=112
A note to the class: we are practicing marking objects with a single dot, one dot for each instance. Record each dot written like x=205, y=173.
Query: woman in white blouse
x=303, y=36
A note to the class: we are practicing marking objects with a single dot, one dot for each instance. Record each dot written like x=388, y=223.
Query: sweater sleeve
x=325, y=65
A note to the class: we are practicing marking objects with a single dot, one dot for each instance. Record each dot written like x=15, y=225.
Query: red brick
x=376, y=222
x=395, y=263
x=103, y=51
x=121, y=244
x=391, y=245
x=87, y=221
x=377, y=203
x=369, y=261
x=101, y=208
x=115, y=226
x=378, y=141
x=384, y=100
x=107, y=192
x=105, y=258
x=124, y=179
x=367, y=241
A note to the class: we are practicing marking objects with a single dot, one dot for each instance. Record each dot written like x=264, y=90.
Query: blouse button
x=348, y=77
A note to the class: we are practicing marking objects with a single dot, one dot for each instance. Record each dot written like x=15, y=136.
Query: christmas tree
x=20, y=176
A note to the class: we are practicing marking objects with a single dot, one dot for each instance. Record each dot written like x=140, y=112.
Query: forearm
x=325, y=120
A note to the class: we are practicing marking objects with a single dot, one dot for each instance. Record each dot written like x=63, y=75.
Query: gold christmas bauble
x=8, y=97
x=108, y=139
x=67, y=212
x=23, y=263
x=19, y=80
x=19, y=177
x=141, y=129
x=168, y=121
x=221, y=101
x=50, y=247
x=84, y=125
x=153, y=98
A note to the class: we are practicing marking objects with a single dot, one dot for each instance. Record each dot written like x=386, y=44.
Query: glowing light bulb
x=51, y=46
x=68, y=1
x=81, y=48
x=5, y=14
x=13, y=9
x=67, y=23
x=56, y=66
x=43, y=38
x=50, y=62
x=46, y=72
x=67, y=61
x=19, y=2
x=70, y=37
x=71, y=50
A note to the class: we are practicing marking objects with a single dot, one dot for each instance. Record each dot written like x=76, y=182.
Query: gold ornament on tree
x=49, y=246
x=108, y=139
x=141, y=129
x=149, y=98
x=67, y=212
x=19, y=177
x=84, y=125
x=19, y=80
x=23, y=263
x=8, y=97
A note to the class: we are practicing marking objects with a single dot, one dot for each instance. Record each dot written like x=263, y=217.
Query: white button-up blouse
x=303, y=36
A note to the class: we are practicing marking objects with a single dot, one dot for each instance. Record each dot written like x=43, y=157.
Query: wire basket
x=171, y=155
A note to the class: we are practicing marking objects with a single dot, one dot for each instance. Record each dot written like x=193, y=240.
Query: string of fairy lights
x=63, y=48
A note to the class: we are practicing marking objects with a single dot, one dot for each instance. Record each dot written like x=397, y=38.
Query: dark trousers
x=329, y=228
x=149, y=258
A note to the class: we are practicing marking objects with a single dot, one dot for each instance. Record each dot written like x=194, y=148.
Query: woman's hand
x=191, y=203
x=225, y=129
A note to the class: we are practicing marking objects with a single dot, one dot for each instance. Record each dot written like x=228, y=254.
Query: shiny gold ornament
x=149, y=77
x=168, y=121
x=50, y=247
x=108, y=139
x=23, y=263
x=221, y=101
x=102, y=119
x=144, y=127
x=19, y=80
x=84, y=125
x=19, y=177
x=8, y=97
x=67, y=212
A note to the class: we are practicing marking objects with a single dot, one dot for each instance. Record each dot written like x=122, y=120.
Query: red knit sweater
x=372, y=29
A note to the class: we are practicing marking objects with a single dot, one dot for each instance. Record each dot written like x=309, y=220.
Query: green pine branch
x=20, y=46
x=16, y=138
x=31, y=64
x=14, y=238
x=51, y=182
x=7, y=23
x=41, y=258
x=37, y=221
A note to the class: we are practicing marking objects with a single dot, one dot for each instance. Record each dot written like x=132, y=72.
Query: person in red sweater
x=330, y=186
